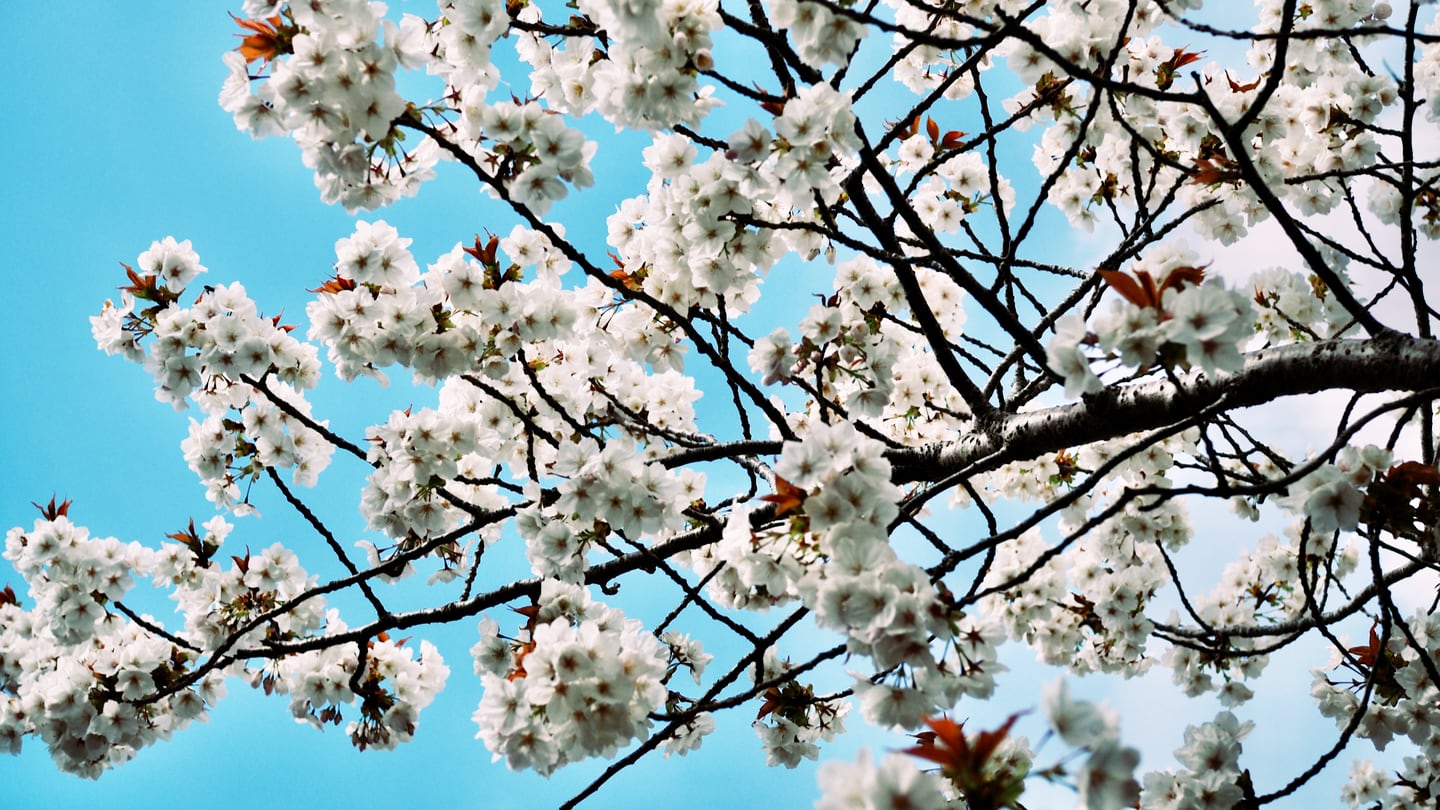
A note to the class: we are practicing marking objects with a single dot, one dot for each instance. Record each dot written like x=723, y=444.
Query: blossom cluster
x=219, y=352
x=1332, y=496
x=391, y=684
x=1211, y=774
x=71, y=669
x=1389, y=673
x=334, y=93
x=1105, y=780
x=461, y=316
x=821, y=36
x=1177, y=320
x=536, y=154
x=832, y=555
x=656, y=48
x=685, y=233
x=794, y=720
x=685, y=243
x=989, y=768
x=96, y=682
x=415, y=455
x=1075, y=605
x=196, y=350
x=863, y=785
x=855, y=357
x=604, y=490
x=1319, y=120
x=579, y=679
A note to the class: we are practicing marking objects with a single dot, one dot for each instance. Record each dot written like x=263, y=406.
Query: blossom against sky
x=134, y=150
x=129, y=146
x=117, y=140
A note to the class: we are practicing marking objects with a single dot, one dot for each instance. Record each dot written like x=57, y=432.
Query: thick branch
x=1367, y=366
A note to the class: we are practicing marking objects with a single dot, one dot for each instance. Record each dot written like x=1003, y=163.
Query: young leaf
x=1236, y=87
x=787, y=498
x=1213, y=171
x=1165, y=71
x=52, y=511
x=334, y=284
x=1126, y=286
x=1177, y=278
x=266, y=41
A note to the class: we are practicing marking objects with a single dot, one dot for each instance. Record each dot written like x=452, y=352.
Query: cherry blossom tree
x=1079, y=273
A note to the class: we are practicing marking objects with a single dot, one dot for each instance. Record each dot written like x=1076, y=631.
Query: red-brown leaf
x=1368, y=654
x=52, y=510
x=287, y=328
x=1126, y=286
x=1181, y=57
x=1236, y=87
x=1405, y=479
x=772, y=702
x=946, y=745
x=485, y=254
x=787, y=497
x=187, y=537
x=1210, y=172
x=335, y=284
x=263, y=43
x=986, y=742
x=1177, y=279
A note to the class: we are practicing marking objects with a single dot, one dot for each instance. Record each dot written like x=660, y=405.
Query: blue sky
x=114, y=140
